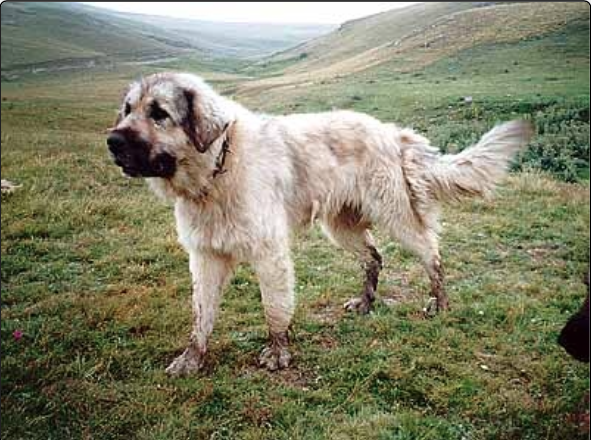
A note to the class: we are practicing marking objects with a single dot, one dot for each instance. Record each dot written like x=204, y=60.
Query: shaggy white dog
x=240, y=182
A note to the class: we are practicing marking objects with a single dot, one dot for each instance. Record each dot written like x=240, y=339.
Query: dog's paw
x=274, y=357
x=359, y=305
x=430, y=309
x=434, y=306
x=187, y=363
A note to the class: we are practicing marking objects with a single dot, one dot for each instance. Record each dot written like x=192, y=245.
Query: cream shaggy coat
x=240, y=182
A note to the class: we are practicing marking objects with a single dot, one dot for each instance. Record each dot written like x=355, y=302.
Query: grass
x=94, y=278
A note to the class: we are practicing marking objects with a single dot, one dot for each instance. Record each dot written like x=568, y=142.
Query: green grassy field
x=94, y=279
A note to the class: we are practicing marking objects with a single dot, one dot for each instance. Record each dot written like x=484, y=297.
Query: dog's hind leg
x=274, y=270
x=424, y=243
x=352, y=234
x=399, y=203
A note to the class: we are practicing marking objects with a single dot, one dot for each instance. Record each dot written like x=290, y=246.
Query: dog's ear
x=201, y=129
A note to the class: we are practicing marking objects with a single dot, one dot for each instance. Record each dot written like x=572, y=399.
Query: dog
x=574, y=336
x=241, y=182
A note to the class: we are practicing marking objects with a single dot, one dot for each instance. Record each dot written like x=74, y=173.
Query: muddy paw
x=187, y=363
x=359, y=305
x=274, y=358
x=430, y=309
x=435, y=305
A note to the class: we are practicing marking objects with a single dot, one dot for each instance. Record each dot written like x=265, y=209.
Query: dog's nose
x=116, y=142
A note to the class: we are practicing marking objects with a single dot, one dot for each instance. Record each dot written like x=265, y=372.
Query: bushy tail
x=476, y=170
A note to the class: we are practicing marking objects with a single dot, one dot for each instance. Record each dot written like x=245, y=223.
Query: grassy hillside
x=357, y=36
x=406, y=44
x=58, y=34
x=241, y=40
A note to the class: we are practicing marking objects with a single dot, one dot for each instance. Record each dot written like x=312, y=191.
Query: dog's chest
x=210, y=229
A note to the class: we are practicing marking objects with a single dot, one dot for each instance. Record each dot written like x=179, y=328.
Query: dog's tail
x=478, y=169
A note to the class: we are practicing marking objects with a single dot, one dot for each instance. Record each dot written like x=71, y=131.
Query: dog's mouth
x=163, y=165
x=127, y=166
x=135, y=156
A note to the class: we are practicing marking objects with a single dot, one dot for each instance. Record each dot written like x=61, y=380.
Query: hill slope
x=403, y=44
x=356, y=36
x=242, y=40
x=36, y=34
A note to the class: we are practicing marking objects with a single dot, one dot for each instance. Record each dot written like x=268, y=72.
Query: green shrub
x=560, y=145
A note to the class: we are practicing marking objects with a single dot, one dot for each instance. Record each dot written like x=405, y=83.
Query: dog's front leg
x=275, y=272
x=210, y=273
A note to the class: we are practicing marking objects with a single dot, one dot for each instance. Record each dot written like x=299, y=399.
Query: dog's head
x=165, y=121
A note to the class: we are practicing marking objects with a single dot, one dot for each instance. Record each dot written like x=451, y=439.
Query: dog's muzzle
x=133, y=156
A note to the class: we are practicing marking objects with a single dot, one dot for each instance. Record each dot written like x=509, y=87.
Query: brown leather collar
x=221, y=159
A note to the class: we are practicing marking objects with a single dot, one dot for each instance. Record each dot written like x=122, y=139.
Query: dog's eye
x=127, y=109
x=157, y=113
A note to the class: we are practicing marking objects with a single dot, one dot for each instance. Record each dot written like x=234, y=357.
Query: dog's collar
x=221, y=158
